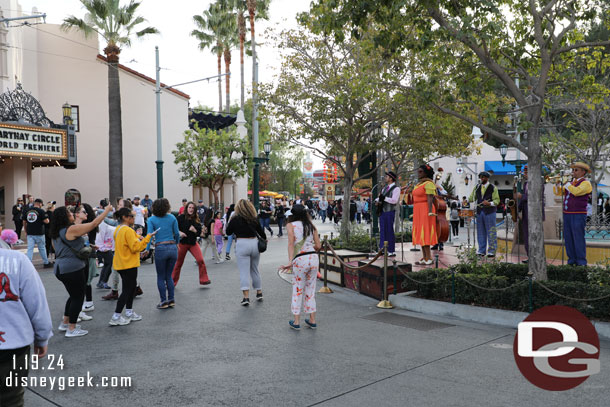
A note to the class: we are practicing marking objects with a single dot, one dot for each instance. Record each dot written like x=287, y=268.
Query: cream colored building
x=58, y=67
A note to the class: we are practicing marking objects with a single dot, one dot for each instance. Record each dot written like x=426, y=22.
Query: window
x=75, y=118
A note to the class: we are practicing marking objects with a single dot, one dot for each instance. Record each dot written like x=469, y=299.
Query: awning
x=496, y=168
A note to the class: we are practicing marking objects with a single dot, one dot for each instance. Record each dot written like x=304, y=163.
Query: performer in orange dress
x=424, y=212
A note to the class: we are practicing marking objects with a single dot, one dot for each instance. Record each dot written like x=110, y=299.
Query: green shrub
x=568, y=281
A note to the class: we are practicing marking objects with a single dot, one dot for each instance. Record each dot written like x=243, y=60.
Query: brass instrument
x=512, y=205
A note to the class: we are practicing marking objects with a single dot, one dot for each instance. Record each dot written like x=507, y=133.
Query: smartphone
x=157, y=230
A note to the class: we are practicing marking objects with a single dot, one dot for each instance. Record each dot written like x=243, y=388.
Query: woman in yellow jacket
x=127, y=248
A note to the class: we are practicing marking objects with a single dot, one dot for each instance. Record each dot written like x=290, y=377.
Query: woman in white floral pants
x=303, y=244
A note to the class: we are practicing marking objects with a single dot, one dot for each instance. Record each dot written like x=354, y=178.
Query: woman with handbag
x=248, y=232
x=71, y=263
x=127, y=248
x=303, y=245
x=84, y=214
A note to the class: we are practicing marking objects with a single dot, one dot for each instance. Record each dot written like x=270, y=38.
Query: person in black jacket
x=245, y=227
x=190, y=228
x=280, y=216
x=17, y=213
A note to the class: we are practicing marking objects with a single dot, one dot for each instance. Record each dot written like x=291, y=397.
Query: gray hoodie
x=24, y=311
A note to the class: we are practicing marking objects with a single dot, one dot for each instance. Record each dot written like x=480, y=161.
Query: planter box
x=352, y=277
x=371, y=278
x=335, y=270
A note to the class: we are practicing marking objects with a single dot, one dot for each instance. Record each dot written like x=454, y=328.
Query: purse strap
x=69, y=247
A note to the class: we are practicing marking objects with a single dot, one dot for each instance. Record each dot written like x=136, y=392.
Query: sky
x=180, y=59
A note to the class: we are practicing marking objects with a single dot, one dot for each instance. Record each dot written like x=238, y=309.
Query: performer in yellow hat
x=576, y=194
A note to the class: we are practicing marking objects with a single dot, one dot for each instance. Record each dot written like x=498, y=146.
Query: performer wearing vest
x=576, y=194
x=388, y=198
x=487, y=199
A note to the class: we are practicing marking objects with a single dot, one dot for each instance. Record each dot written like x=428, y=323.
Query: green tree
x=208, y=158
x=472, y=46
x=327, y=99
x=116, y=24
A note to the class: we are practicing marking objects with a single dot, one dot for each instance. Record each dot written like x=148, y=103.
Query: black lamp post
x=503, y=151
x=256, y=173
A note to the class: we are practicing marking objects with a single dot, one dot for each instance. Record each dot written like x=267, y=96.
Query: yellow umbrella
x=267, y=193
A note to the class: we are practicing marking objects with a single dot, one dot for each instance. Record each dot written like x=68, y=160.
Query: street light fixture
x=267, y=148
x=476, y=132
x=503, y=151
x=67, y=112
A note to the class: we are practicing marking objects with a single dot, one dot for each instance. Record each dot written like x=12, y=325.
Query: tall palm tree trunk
x=242, y=40
x=252, y=11
x=219, y=57
x=227, y=54
x=115, y=128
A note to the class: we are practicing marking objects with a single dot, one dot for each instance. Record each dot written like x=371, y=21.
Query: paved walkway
x=210, y=351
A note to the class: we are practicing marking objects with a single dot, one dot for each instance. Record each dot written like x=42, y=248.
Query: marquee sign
x=34, y=142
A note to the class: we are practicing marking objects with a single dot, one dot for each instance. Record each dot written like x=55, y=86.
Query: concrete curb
x=471, y=313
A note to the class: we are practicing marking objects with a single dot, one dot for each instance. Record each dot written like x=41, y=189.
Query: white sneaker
x=134, y=317
x=64, y=327
x=76, y=332
x=88, y=306
x=85, y=317
x=217, y=261
x=119, y=321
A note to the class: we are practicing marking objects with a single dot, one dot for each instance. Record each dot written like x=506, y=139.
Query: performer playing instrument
x=425, y=231
x=487, y=199
x=576, y=194
x=387, y=203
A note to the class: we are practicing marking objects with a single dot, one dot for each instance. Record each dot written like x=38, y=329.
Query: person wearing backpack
x=454, y=219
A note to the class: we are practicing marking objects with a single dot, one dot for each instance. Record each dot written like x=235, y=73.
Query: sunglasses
x=130, y=216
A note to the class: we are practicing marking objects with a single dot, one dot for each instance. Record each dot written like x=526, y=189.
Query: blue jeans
x=574, y=235
x=323, y=215
x=229, y=243
x=265, y=222
x=487, y=233
x=165, y=260
x=39, y=241
x=280, y=223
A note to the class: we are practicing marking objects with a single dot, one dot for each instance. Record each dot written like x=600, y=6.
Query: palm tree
x=209, y=35
x=116, y=24
x=240, y=7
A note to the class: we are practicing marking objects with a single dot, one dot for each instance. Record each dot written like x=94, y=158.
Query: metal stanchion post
x=530, y=290
x=436, y=259
x=384, y=303
x=325, y=289
x=395, y=291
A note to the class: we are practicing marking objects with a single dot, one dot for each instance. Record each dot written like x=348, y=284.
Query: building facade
x=56, y=67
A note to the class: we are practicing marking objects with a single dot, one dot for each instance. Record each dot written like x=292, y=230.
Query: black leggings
x=455, y=224
x=129, y=279
x=75, y=285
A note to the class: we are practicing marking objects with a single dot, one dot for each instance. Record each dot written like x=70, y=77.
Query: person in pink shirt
x=218, y=232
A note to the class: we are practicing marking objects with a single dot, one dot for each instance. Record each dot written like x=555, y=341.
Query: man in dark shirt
x=34, y=220
x=201, y=211
x=147, y=202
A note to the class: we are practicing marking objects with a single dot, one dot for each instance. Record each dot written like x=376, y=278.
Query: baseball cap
x=136, y=197
x=200, y=201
